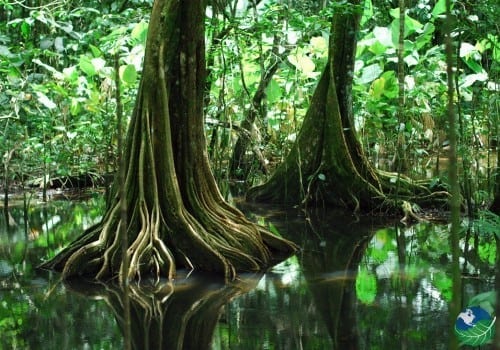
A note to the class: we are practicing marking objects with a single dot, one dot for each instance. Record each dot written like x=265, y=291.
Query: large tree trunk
x=327, y=164
x=176, y=216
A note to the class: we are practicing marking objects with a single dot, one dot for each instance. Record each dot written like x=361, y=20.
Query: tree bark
x=327, y=165
x=326, y=162
x=176, y=214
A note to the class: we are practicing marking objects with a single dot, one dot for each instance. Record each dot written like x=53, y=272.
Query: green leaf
x=391, y=89
x=302, y=63
x=128, y=73
x=273, y=229
x=474, y=66
x=377, y=48
x=75, y=107
x=487, y=223
x=487, y=252
x=370, y=73
x=44, y=100
x=366, y=286
x=70, y=74
x=319, y=45
x=139, y=33
x=496, y=46
x=439, y=8
x=472, y=78
x=25, y=30
x=367, y=12
x=86, y=66
x=425, y=36
x=384, y=36
x=394, y=12
x=98, y=63
x=96, y=52
x=377, y=88
x=412, y=25
x=467, y=49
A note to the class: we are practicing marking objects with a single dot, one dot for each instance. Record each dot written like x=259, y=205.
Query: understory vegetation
x=58, y=122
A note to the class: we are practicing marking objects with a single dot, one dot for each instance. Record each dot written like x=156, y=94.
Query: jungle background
x=58, y=110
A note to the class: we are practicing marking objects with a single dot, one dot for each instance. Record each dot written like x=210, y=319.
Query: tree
x=175, y=215
x=326, y=163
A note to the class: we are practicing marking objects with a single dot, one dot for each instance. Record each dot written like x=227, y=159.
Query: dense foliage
x=58, y=101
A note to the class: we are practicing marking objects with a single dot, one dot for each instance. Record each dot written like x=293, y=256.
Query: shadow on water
x=357, y=283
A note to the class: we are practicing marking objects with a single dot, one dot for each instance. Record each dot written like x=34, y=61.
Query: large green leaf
x=45, y=100
x=366, y=286
x=86, y=65
x=140, y=33
x=377, y=88
x=128, y=73
x=439, y=8
x=391, y=89
x=303, y=63
x=370, y=73
x=384, y=36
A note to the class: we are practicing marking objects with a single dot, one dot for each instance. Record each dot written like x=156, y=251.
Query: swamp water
x=356, y=284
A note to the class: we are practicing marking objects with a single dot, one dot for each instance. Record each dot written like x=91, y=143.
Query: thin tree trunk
x=455, y=305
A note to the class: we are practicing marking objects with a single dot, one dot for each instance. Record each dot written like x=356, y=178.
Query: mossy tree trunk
x=327, y=164
x=176, y=216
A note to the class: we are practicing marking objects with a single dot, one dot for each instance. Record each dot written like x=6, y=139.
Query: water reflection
x=356, y=284
x=333, y=247
x=169, y=315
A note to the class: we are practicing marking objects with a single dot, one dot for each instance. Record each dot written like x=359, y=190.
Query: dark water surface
x=356, y=284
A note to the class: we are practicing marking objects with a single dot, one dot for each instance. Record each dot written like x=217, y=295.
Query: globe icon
x=470, y=316
x=474, y=326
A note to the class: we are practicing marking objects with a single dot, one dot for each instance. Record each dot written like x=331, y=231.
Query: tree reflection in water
x=169, y=315
x=333, y=247
x=308, y=302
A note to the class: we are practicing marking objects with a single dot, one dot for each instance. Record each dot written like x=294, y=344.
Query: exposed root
x=175, y=215
x=409, y=213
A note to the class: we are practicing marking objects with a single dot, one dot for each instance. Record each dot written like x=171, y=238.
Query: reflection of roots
x=167, y=315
